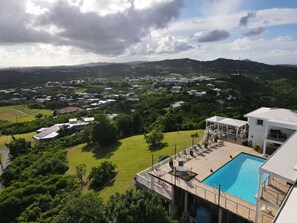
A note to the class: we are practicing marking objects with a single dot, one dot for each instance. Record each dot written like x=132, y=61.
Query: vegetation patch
x=21, y=113
x=4, y=139
x=130, y=155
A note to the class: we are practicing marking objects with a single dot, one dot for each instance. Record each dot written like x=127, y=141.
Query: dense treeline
x=37, y=190
x=24, y=127
x=35, y=180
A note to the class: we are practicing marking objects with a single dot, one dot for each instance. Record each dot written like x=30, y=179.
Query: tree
x=85, y=208
x=141, y=206
x=154, y=138
x=102, y=174
x=18, y=146
x=63, y=131
x=137, y=126
x=80, y=172
x=86, y=134
x=104, y=133
x=39, y=115
x=124, y=123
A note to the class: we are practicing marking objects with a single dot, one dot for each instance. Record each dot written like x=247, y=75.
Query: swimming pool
x=239, y=177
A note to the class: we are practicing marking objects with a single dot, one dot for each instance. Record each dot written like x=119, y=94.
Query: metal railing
x=277, y=137
x=210, y=195
x=144, y=178
x=165, y=192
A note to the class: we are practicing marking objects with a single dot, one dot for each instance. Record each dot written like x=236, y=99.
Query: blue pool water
x=239, y=177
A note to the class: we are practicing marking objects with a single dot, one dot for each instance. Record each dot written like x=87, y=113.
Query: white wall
x=256, y=132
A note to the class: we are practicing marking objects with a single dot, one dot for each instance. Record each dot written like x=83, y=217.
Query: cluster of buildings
x=183, y=80
x=253, y=170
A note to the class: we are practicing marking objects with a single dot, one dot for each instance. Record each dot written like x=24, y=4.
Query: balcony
x=279, y=135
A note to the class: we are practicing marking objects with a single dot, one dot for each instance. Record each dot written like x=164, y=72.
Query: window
x=259, y=122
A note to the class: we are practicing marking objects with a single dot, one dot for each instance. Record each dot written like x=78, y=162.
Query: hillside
x=12, y=77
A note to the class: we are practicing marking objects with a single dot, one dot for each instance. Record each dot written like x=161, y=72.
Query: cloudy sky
x=55, y=32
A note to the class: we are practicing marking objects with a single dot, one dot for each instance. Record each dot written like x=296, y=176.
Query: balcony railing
x=277, y=137
x=210, y=194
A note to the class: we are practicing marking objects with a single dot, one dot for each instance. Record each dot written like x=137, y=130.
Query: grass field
x=6, y=139
x=131, y=155
x=21, y=113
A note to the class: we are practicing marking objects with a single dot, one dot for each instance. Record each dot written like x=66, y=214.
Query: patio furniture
x=277, y=134
x=192, y=154
x=171, y=165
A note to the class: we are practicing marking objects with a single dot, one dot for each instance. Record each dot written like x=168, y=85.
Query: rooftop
x=274, y=114
x=226, y=121
x=287, y=213
x=283, y=163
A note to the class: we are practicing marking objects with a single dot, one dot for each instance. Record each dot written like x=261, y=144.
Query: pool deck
x=217, y=156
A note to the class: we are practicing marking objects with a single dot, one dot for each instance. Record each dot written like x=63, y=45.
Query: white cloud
x=284, y=38
x=78, y=31
x=264, y=18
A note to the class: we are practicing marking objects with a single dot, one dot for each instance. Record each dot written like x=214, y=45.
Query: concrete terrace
x=163, y=182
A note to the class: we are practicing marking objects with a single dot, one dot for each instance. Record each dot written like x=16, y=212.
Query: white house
x=177, y=105
x=271, y=127
x=176, y=89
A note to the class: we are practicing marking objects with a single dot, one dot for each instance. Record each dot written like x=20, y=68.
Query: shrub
x=154, y=138
x=205, y=143
x=256, y=147
x=102, y=174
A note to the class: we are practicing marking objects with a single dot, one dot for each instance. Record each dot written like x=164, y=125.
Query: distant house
x=107, y=90
x=200, y=94
x=72, y=121
x=88, y=119
x=112, y=116
x=51, y=133
x=210, y=85
x=68, y=110
x=177, y=105
x=176, y=89
x=192, y=92
x=47, y=134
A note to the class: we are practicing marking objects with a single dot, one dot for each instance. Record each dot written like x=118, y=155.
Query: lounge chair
x=192, y=154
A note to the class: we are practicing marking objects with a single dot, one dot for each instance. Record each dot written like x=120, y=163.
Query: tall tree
x=104, y=133
x=86, y=208
x=124, y=123
x=154, y=138
x=18, y=146
x=81, y=172
x=141, y=206
x=102, y=174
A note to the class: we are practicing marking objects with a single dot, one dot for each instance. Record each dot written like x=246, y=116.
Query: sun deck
x=163, y=181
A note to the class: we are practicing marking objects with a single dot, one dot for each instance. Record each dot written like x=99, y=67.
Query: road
x=5, y=161
x=5, y=158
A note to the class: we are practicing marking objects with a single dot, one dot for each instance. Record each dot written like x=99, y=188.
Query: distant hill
x=10, y=77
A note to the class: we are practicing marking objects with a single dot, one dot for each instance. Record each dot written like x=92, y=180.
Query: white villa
x=51, y=133
x=271, y=127
x=180, y=179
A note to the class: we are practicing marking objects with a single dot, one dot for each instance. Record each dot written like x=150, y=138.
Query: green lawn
x=6, y=139
x=21, y=113
x=131, y=156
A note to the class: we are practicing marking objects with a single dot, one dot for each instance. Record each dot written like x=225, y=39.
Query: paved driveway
x=5, y=158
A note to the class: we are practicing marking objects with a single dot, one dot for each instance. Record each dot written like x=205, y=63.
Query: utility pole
x=219, y=208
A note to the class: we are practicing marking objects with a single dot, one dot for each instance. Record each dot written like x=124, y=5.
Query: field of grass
x=131, y=155
x=6, y=139
x=21, y=113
